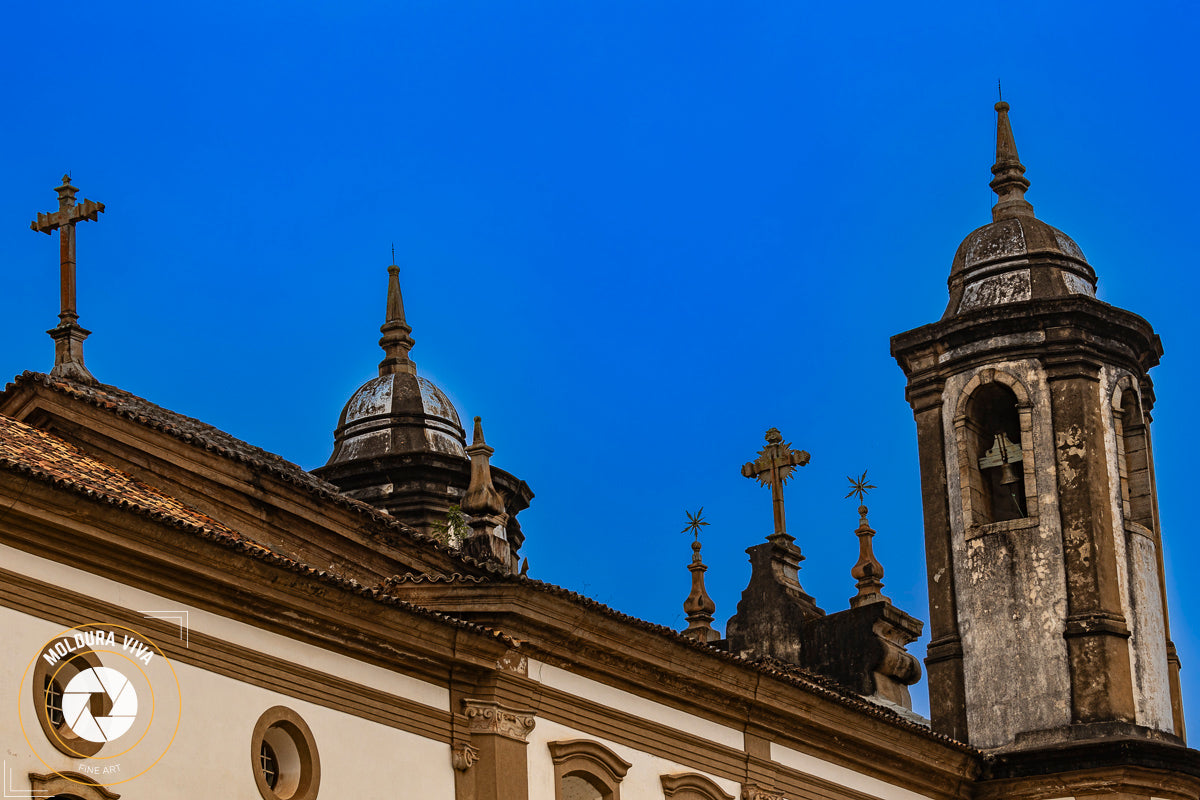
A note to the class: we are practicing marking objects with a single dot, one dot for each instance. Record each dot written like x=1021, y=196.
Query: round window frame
x=61, y=672
x=282, y=721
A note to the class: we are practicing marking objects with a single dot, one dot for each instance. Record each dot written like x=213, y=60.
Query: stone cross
x=69, y=335
x=775, y=464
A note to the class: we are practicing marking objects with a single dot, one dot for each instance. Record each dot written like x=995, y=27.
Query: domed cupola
x=399, y=444
x=1016, y=257
x=398, y=412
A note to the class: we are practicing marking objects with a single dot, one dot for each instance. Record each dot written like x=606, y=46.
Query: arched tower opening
x=1133, y=463
x=994, y=455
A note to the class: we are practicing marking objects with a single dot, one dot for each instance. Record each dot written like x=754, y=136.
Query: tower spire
x=1009, y=182
x=396, y=341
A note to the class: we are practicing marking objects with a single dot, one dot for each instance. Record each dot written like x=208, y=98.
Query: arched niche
x=993, y=427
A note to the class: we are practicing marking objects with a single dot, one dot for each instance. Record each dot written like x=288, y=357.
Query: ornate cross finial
x=68, y=336
x=775, y=464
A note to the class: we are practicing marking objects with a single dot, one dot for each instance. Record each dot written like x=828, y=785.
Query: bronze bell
x=1006, y=455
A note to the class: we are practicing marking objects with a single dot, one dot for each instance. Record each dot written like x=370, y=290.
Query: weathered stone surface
x=1048, y=620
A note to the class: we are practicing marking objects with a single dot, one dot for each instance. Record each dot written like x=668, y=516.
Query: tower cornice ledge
x=1130, y=762
x=1075, y=327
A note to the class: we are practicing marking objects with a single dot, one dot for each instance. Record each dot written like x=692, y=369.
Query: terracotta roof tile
x=26, y=449
x=43, y=456
x=207, y=437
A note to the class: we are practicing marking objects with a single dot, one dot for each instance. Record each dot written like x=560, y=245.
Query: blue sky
x=633, y=236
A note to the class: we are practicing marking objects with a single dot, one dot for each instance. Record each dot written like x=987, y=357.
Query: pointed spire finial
x=698, y=606
x=1009, y=181
x=483, y=503
x=396, y=341
x=868, y=572
x=481, y=499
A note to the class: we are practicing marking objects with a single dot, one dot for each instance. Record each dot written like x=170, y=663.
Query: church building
x=188, y=615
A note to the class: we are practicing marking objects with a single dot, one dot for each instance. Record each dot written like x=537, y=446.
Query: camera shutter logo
x=104, y=687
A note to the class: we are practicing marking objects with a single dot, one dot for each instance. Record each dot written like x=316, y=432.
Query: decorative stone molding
x=69, y=784
x=484, y=716
x=692, y=786
x=463, y=757
x=591, y=762
x=752, y=791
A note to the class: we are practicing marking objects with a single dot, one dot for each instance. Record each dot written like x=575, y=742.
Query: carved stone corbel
x=463, y=756
x=485, y=716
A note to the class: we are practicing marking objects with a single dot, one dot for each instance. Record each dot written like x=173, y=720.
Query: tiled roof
x=207, y=437
x=34, y=452
x=29, y=451
x=184, y=428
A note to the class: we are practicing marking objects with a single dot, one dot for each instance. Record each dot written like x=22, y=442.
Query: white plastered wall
x=210, y=754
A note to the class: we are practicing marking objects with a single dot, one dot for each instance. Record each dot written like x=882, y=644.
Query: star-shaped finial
x=695, y=523
x=860, y=487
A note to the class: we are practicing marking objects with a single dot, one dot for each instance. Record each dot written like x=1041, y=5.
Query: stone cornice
x=662, y=667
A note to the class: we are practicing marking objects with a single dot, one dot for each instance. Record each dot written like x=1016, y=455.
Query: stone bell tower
x=1032, y=401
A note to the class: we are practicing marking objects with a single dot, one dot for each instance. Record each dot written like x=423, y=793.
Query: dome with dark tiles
x=398, y=413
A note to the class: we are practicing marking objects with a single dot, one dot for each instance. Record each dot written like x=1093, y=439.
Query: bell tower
x=1032, y=401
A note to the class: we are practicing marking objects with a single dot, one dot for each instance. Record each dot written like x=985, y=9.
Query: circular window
x=49, y=680
x=284, y=755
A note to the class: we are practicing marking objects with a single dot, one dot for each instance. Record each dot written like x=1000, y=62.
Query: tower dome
x=398, y=412
x=400, y=446
x=1016, y=257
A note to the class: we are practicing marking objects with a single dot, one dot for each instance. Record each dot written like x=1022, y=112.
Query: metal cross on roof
x=68, y=335
x=775, y=464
